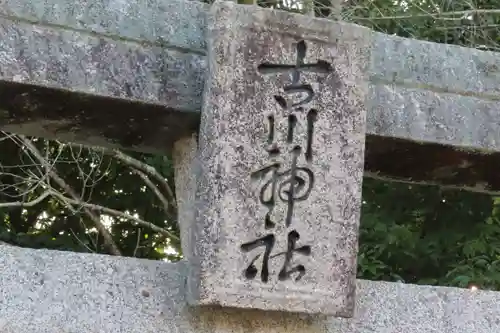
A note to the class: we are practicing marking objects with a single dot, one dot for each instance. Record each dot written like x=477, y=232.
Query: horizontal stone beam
x=92, y=84
x=131, y=75
x=53, y=291
x=153, y=52
x=432, y=92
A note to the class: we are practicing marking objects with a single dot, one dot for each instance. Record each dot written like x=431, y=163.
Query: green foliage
x=421, y=234
x=465, y=23
x=425, y=235
x=99, y=179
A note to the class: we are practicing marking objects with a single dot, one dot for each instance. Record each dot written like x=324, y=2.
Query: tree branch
x=478, y=188
x=145, y=168
x=153, y=188
x=76, y=199
x=462, y=13
x=115, y=212
x=26, y=204
x=102, y=209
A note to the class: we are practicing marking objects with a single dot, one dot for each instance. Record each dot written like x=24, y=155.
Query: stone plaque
x=280, y=158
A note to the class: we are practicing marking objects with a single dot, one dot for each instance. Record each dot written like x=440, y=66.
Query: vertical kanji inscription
x=290, y=185
x=279, y=158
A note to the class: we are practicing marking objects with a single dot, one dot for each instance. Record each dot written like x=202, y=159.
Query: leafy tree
x=67, y=197
x=423, y=234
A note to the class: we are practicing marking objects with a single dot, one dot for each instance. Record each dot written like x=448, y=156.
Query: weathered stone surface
x=181, y=24
x=435, y=66
x=173, y=23
x=466, y=78
x=419, y=91
x=429, y=116
x=249, y=133
x=186, y=170
x=143, y=93
x=43, y=291
x=66, y=59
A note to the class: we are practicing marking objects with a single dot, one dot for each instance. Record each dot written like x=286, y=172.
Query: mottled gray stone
x=172, y=23
x=186, y=175
x=117, y=77
x=435, y=66
x=66, y=59
x=429, y=116
x=434, y=92
x=233, y=144
x=464, y=77
x=44, y=291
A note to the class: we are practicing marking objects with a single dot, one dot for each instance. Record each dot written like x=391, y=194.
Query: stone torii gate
x=149, y=76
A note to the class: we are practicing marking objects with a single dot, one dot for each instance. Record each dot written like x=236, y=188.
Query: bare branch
x=89, y=179
x=117, y=213
x=76, y=199
x=145, y=168
x=153, y=188
x=80, y=241
x=478, y=188
x=64, y=193
x=461, y=13
x=137, y=244
x=26, y=204
x=31, y=181
x=142, y=167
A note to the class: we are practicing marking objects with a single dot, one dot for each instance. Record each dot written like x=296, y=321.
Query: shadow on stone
x=431, y=163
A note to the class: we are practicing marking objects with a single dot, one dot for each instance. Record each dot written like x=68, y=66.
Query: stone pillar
x=281, y=148
x=185, y=174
